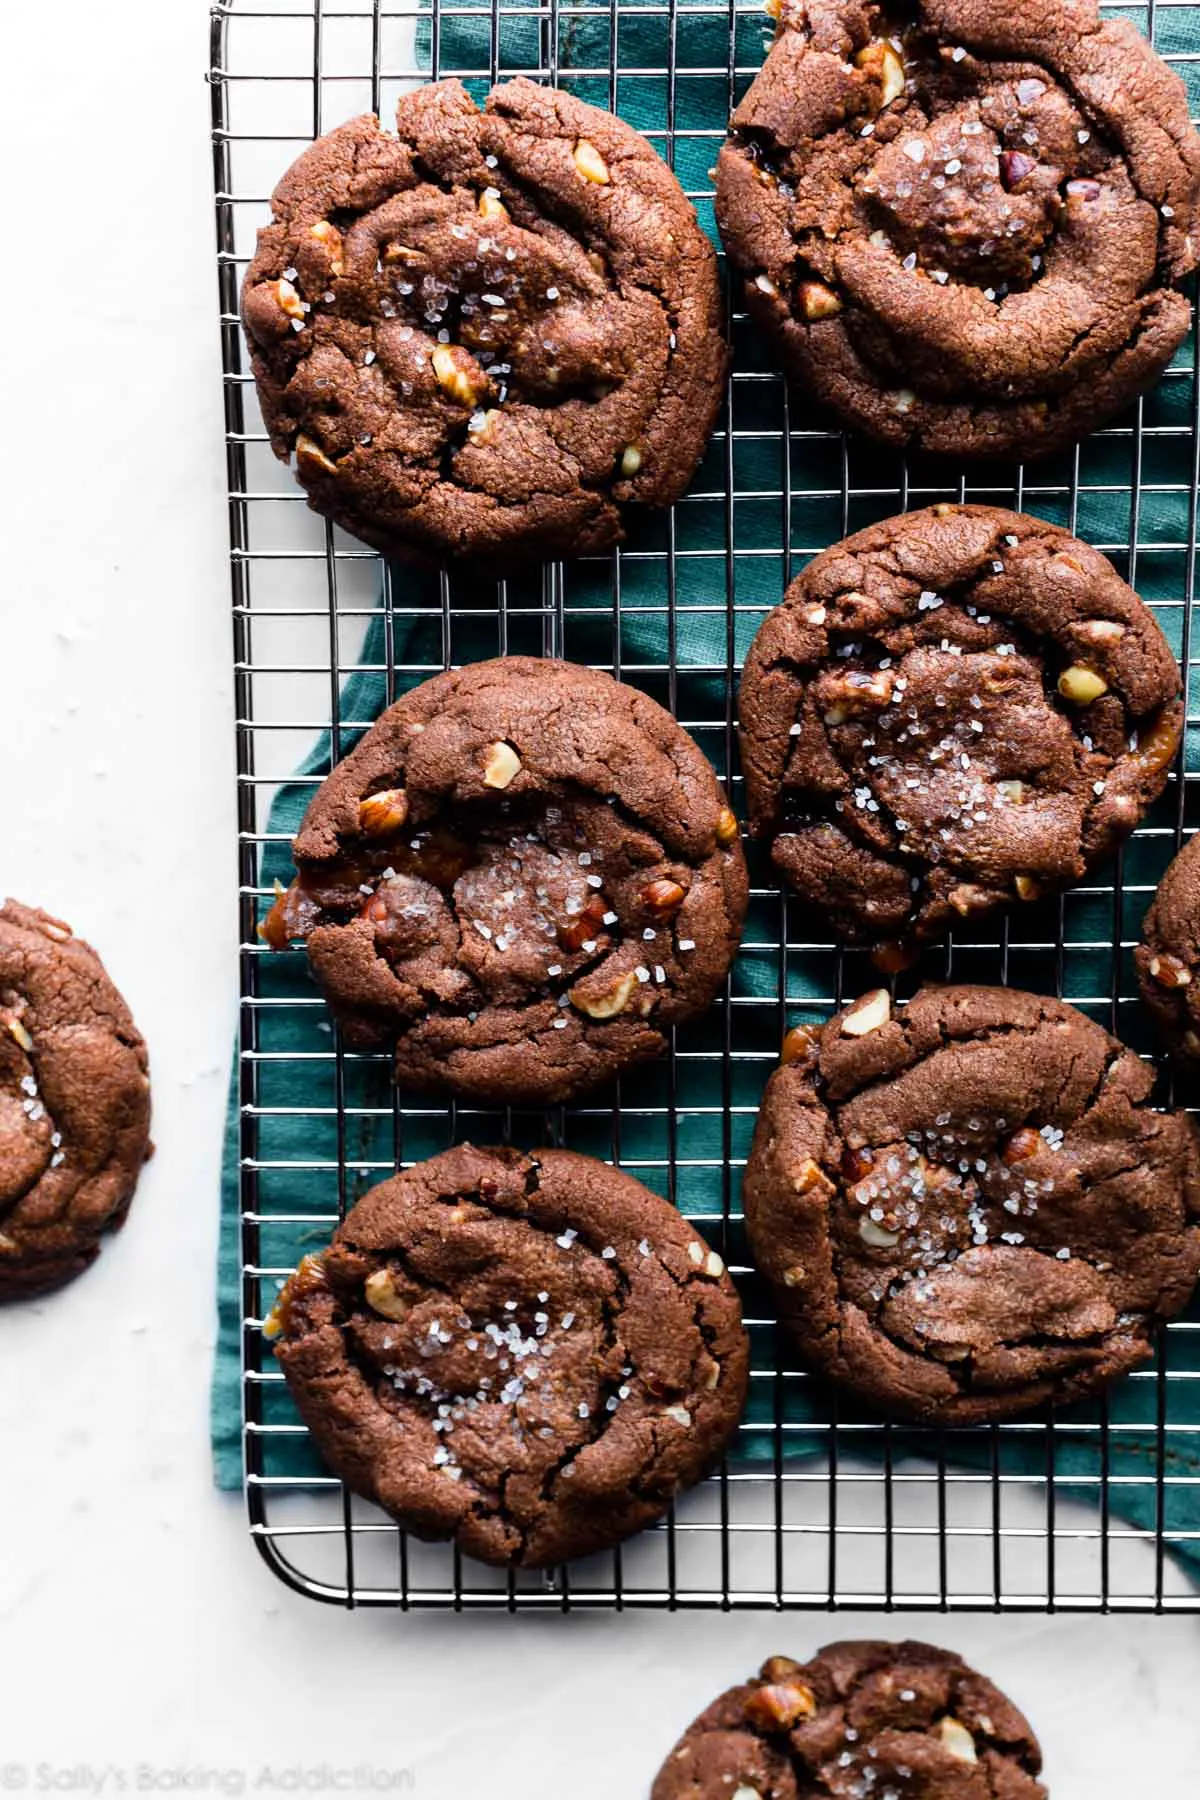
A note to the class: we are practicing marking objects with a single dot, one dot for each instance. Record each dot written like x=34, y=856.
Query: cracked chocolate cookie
x=966, y=1207
x=489, y=334
x=74, y=1103
x=859, y=1721
x=524, y=875
x=961, y=224
x=950, y=711
x=528, y=1354
x=1168, y=957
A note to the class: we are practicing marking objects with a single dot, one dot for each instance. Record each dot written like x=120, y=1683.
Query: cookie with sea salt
x=1168, y=957
x=74, y=1103
x=524, y=875
x=953, y=710
x=528, y=1354
x=492, y=333
x=963, y=230
x=966, y=1207
x=860, y=1720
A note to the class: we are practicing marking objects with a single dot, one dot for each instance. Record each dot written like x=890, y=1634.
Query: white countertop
x=140, y=1636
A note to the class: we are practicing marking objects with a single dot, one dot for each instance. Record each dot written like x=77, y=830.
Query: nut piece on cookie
x=382, y=1297
x=590, y=164
x=610, y=1002
x=1167, y=958
x=501, y=766
x=882, y=63
x=957, y=1740
x=458, y=374
x=777, y=1706
x=867, y=1014
x=311, y=459
x=381, y=814
x=875, y=1718
x=1081, y=685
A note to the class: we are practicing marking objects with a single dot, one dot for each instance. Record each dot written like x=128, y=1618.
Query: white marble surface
x=143, y=1647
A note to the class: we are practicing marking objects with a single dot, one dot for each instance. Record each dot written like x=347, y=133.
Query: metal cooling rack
x=868, y=1515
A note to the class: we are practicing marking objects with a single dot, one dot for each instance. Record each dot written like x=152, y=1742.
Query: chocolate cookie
x=860, y=1721
x=74, y=1103
x=1168, y=957
x=525, y=874
x=528, y=1354
x=966, y=1208
x=962, y=232
x=950, y=710
x=489, y=334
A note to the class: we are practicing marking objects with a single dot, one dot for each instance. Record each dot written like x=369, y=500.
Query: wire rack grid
x=818, y=1505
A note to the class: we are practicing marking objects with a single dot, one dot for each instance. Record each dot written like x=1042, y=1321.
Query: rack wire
x=818, y=1505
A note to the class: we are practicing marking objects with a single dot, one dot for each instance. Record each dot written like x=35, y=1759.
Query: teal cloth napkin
x=318, y=1129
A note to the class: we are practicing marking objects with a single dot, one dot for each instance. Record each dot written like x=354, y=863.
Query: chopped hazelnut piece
x=957, y=1740
x=779, y=1705
x=1021, y=1146
x=289, y=299
x=858, y=692
x=662, y=897
x=1169, y=971
x=330, y=239
x=1158, y=746
x=867, y=1014
x=16, y=1030
x=1012, y=792
x=590, y=164
x=501, y=766
x=457, y=374
x=895, y=956
x=1101, y=631
x=382, y=1297
x=381, y=814
x=818, y=301
x=311, y=459
x=800, y=1045
x=880, y=60
x=609, y=1004
x=1081, y=685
